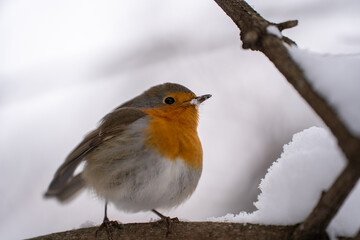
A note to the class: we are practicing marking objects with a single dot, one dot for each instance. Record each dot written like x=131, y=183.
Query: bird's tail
x=67, y=191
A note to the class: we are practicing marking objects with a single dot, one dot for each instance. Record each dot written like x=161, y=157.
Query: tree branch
x=181, y=231
x=329, y=204
x=255, y=36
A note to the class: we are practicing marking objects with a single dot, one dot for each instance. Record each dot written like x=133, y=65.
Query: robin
x=145, y=154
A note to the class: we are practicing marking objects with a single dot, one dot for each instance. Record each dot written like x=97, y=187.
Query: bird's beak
x=197, y=100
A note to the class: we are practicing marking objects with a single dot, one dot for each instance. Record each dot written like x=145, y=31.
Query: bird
x=144, y=155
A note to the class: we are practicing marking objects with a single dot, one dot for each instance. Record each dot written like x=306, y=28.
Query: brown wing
x=64, y=183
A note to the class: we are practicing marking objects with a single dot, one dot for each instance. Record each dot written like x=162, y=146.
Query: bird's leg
x=107, y=224
x=167, y=220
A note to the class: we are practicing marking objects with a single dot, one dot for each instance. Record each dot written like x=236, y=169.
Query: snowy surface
x=337, y=79
x=274, y=30
x=293, y=185
x=65, y=64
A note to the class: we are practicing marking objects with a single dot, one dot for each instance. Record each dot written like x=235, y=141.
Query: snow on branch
x=337, y=79
x=340, y=115
x=259, y=34
x=293, y=185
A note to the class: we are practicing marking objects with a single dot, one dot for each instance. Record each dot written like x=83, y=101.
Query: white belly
x=135, y=178
x=159, y=184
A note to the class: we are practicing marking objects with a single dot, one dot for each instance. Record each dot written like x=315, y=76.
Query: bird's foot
x=108, y=226
x=168, y=221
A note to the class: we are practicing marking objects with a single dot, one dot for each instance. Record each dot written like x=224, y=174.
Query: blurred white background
x=65, y=64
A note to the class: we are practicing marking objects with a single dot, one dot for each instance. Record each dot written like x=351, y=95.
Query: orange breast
x=173, y=132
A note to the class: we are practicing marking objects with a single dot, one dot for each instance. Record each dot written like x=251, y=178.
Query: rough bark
x=182, y=231
x=254, y=36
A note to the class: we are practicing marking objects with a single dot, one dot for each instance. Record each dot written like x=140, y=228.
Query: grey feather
x=64, y=183
x=154, y=96
x=68, y=191
x=112, y=124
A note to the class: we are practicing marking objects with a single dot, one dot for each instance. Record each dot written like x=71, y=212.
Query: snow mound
x=293, y=185
x=337, y=79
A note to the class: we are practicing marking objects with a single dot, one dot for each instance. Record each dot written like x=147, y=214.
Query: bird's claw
x=108, y=226
x=168, y=221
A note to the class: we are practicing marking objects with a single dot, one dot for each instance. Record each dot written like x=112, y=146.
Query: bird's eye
x=169, y=100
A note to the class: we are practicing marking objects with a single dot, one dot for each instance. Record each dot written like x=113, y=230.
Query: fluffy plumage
x=144, y=155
